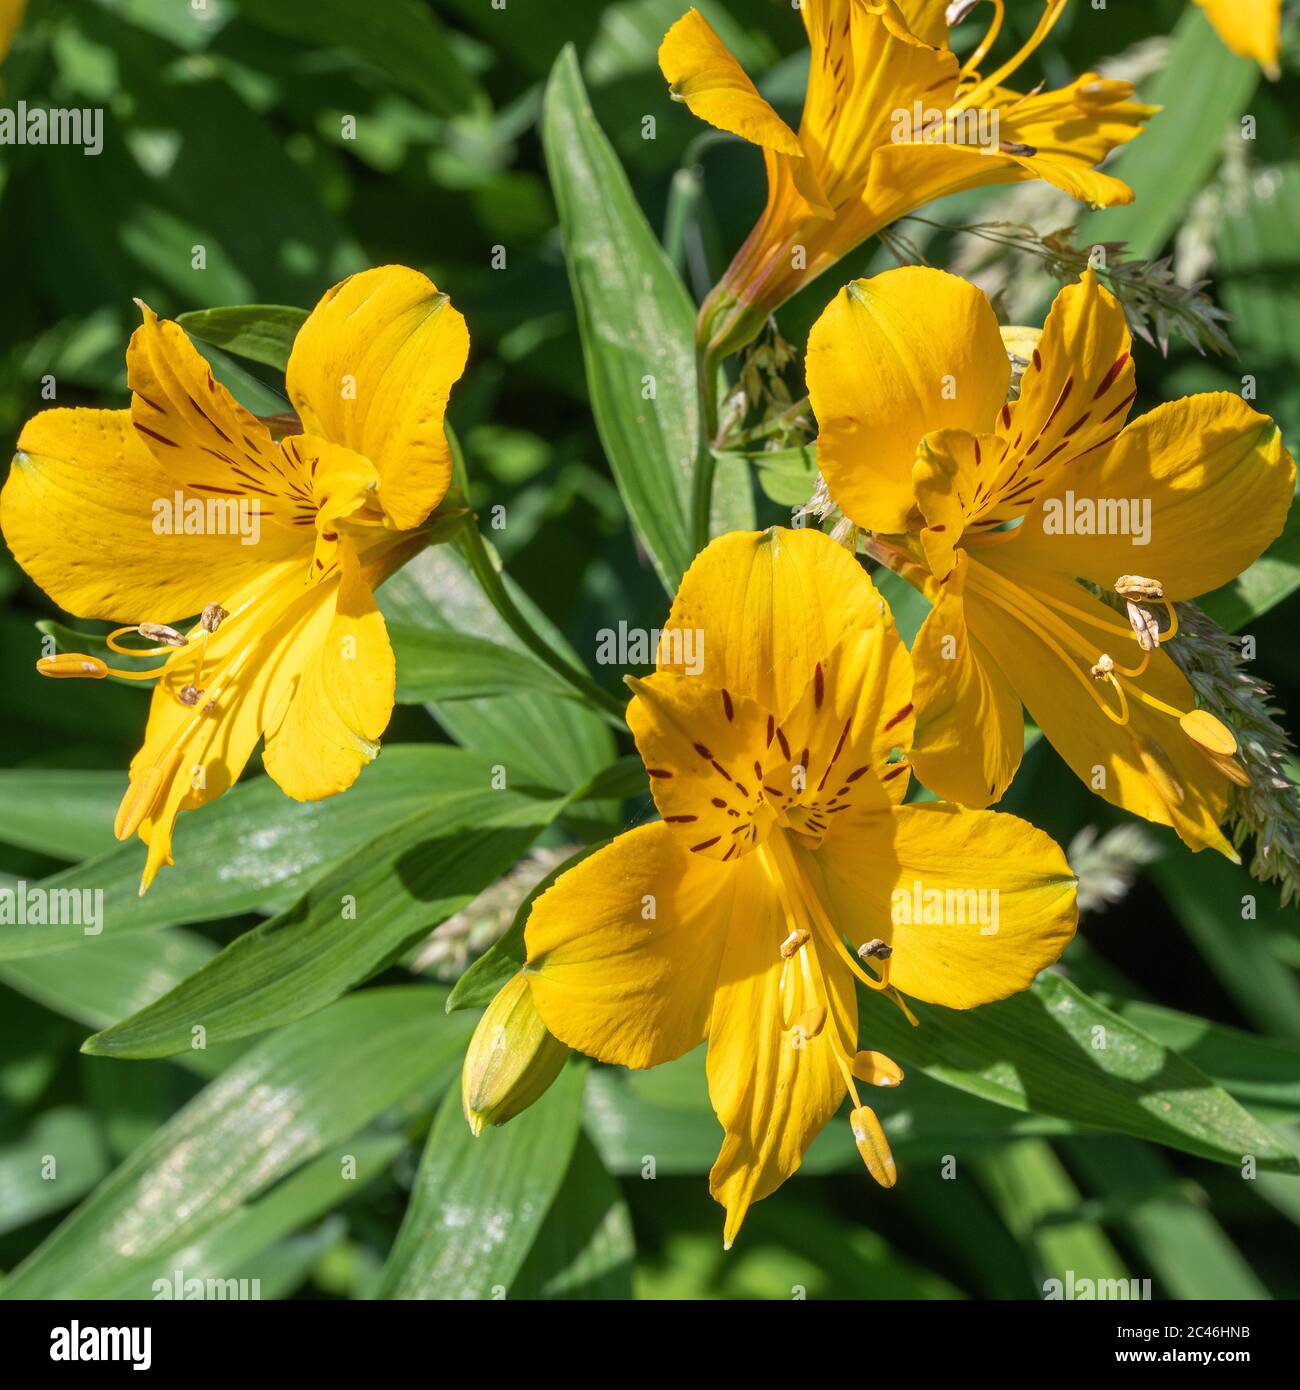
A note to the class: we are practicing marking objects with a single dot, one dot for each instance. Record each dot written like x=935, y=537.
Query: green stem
x=702, y=494
x=469, y=542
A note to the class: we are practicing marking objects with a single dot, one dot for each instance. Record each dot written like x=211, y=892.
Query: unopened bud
x=511, y=1060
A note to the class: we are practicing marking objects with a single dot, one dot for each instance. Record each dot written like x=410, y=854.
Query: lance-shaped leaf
x=636, y=320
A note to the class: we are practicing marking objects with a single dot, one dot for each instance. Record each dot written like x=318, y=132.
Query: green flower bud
x=511, y=1061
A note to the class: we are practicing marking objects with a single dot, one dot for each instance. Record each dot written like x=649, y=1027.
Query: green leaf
x=540, y=739
x=261, y=332
x=241, y=1240
x=348, y=925
x=1273, y=577
x=1262, y=1073
x=254, y=850
x=435, y=665
x=63, y=813
x=499, y=1186
x=1256, y=262
x=300, y=1093
x=1205, y=893
x=585, y=1248
x=28, y=1190
x=1182, y=1245
x=786, y=476
x=1055, y=1051
x=666, y=1112
x=403, y=40
x=117, y=978
x=909, y=606
x=636, y=320
x=1028, y=1185
x=1202, y=89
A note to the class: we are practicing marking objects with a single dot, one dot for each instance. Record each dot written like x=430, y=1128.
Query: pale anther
x=794, y=942
x=213, y=616
x=1144, y=625
x=160, y=632
x=1136, y=586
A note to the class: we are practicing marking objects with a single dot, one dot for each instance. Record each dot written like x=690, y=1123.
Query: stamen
x=72, y=666
x=213, y=616
x=797, y=938
x=1145, y=627
x=1051, y=13
x=160, y=632
x=873, y=1146
x=1135, y=586
x=154, y=632
x=876, y=1069
x=875, y=949
x=1209, y=733
x=1018, y=612
x=958, y=11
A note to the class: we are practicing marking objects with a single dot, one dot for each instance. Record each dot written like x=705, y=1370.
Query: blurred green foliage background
x=296, y=141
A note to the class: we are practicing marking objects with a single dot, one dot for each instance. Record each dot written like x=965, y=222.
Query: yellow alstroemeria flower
x=187, y=504
x=784, y=867
x=1003, y=512
x=1251, y=28
x=892, y=120
x=11, y=17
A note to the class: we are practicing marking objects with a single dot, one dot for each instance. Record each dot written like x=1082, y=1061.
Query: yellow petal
x=1074, y=398
x=843, y=748
x=275, y=666
x=927, y=19
x=11, y=16
x=205, y=440
x=765, y=608
x=1069, y=131
x=773, y=1086
x=79, y=511
x=1251, y=28
x=371, y=370
x=958, y=478
x=890, y=360
x=960, y=688
x=702, y=72
x=1189, y=494
x=974, y=903
x=702, y=748
x=327, y=724
x=624, y=948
